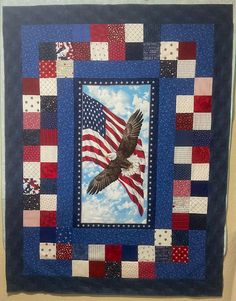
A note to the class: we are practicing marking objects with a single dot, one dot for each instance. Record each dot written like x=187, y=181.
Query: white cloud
x=142, y=104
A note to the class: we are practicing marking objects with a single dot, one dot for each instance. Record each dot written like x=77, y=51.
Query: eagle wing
x=131, y=133
x=106, y=177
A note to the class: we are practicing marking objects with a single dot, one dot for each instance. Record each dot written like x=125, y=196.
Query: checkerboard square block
x=180, y=254
x=48, y=120
x=182, y=171
x=203, y=86
x=168, y=69
x=116, y=33
x=48, y=104
x=99, y=51
x=198, y=221
x=47, y=69
x=99, y=32
x=81, y=51
x=130, y=253
x=202, y=103
x=184, y=138
x=151, y=32
x=48, y=136
x=48, y=153
x=134, y=51
x=64, y=251
x=198, y=205
x=182, y=188
x=199, y=188
x=113, y=270
x=48, y=202
x=47, y=235
x=31, y=137
x=65, y=68
x=47, y=218
x=146, y=253
x=31, y=186
x=30, y=86
x=48, y=186
x=169, y=50
x=31, y=218
x=48, y=86
x=183, y=155
x=201, y=138
x=81, y=32
x=96, y=252
x=201, y=154
x=129, y=269
x=31, y=153
x=48, y=170
x=187, y=50
x=180, y=238
x=47, y=51
x=31, y=121
x=116, y=51
x=163, y=237
x=180, y=221
x=80, y=251
x=200, y=172
x=31, y=170
x=163, y=254
x=186, y=69
x=96, y=269
x=180, y=205
x=184, y=121
x=201, y=121
x=133, y=33
x=184, y=103
x=80, y=268
x=113, y=252
x=31, y=202
x=47, y=250
x=147, y=270
x=31, y=103
x=151, y=51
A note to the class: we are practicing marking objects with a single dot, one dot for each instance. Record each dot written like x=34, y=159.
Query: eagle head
x=112, y=156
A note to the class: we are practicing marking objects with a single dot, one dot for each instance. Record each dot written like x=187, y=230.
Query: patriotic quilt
x=117, y=125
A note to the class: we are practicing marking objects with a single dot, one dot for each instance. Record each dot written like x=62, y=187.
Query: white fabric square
x=65, y=68
x=48, y=153
x=146, y=253
x=184, y=104
x=48, y=202
x=200, y=172
x=129, y=269
x=169, y=51
x=186, y=68
x=31, y=103
x=183, y=155
x=198, y=205
x=80, y=268
x=99, y=51
x=180, y=205
x=163, y=237
x=47, y=250
x=201, y=121
x=133, y=33
x=31, y=170
x=48, y=86
x=96, y=252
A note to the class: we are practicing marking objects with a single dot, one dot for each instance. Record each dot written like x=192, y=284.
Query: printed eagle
x=119, y=160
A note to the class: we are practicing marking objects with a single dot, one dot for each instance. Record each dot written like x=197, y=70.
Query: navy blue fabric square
x=151, y=32
x=197, y=221
x=80, y=251
x=163, y=254
x=47, y=234
x=113, y=270
x=183, y=138
x=201, y=138
x=48, y=186
x=134, y=51
x=151, y=51
x=64, y=235
x=31, y=137
x=48, y=120
x=180, y=238
x=168, y=69
x=199, y=188
x=31, y=202
x=48, y=103
x=182, y=171
x=47, y=51
x=130, y=253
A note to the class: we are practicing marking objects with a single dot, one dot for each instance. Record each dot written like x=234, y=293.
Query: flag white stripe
x=115, y=121
x=94, y=144
x=133, y=192
x=95, y=156
x=98, y=136
x=114, y=129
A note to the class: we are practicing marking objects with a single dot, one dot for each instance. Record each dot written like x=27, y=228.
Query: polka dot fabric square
x=47, y=68
x=64, y=251
x=180, y=254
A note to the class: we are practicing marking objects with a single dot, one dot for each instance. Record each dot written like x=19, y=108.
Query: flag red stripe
x=117, y=137
x=121, y=121
x=94, y=150
x=108, y=139
x=137, y=178
x=139, y=153
x=87, y=158
x=129, y=182
x=115, y=124
x=98, y=141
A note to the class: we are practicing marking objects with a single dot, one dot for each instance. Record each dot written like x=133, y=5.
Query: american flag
x=101, y=135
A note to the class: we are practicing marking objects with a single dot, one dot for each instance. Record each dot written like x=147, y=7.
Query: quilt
x=117, y=125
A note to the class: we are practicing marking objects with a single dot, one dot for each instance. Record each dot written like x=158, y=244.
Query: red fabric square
x=147, y=270
x=30, y=86
x=47, y=69
x=200, y=154
x=99, y=32
x=31, y=120
x=113, y=252
x=31, y=154
x=47, y=218
x=202, y=103
x=184, y=121
x=182, y=188
x=48, y=137
x=116, y=51
x=180, y=221
x=116, y=33
x=97, y=269
x=180, y=254
x=187, y=51
x=48, y=170
x=64, y=251
x=81, y=51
